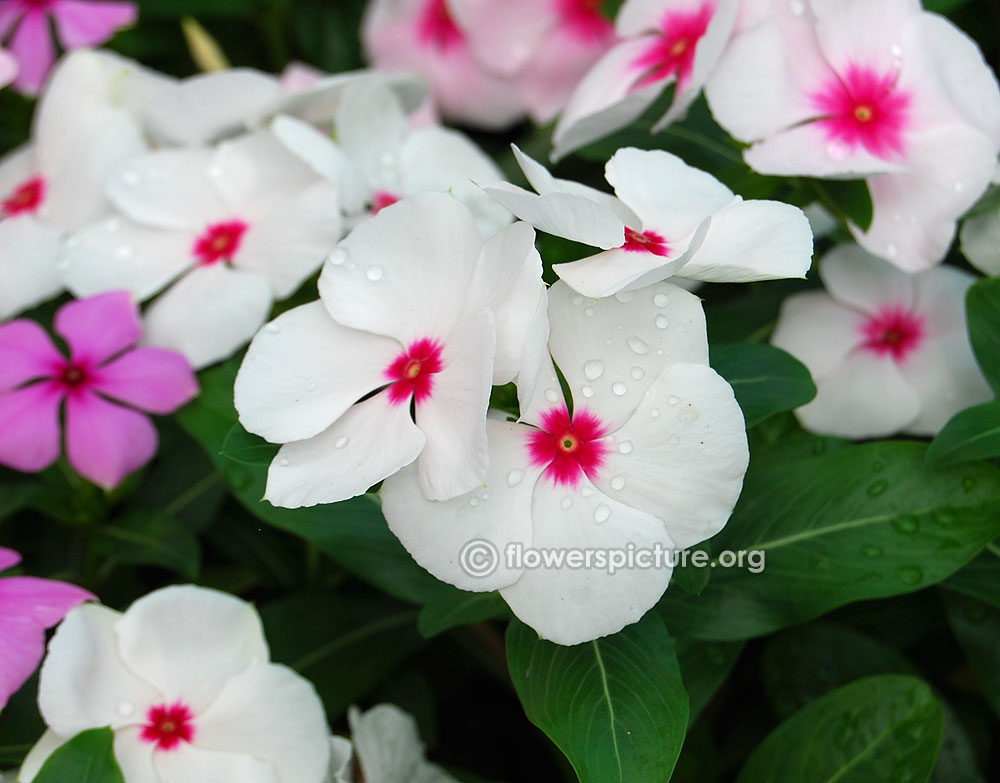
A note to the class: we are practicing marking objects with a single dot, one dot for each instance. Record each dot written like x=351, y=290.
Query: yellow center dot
x=413, y=369
x=679, y=47
x=863, y=113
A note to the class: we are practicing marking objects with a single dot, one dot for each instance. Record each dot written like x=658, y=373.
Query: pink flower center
x=672, y=53
x=585, y=19
x=168, y=726
x=219, y=242
x=383, y=199
x=436, y=28
x=25, y=198
x=645, y=242
x=73, y=375
x=864, y=109
x=412, y=372
x=568, y=447
x=894, y=331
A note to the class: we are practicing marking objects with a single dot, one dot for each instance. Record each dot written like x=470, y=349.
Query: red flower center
x=25, y=198
x=569, y=447
x=219, y=242
x=585, y=19
x=436, y=28
x=672, y=53
x=864, y=109
x=645, y=242
x=168, y=726
x=383, y=199
x=412, y=372
x=894, y=332
x=74, y=375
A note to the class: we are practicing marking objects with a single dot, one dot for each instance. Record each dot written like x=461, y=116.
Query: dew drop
x=375, y=273
x=567, y=502
x=601, y=514
x=959, y=187
x=619, y=389
x=896, y=50
x=624, y=296
x=309, y=386
x=578, y=300
x=968, y=483
x=891, y=251
x=126, y=708
x=910, y=575
x=342, y=441
x=662, y=322
x=486, y=496
x=618, y=482
x=655, y=413
x=661, y=300
x=638, y=345
x=906, y=524
x=945, y=517
x=588, y=311
x=877, y=489
x=593, y=369
x=586, y=492
x=272, y=328
x=215, y=171
x=514, y=478
x=474, y=502
x=588, y=391
x=552, y=395
x=283, y=462
x=673, y=399
x=625, y=447
x=869, y=550
x=638, y=373
x=337, y=257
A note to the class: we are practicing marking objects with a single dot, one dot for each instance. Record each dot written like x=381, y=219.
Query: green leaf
x=704, y=667
x=970, y=435
x=980, y=578
x=862, y=522
x=982, y=307
x=246, y=448
x=766, y=380
x=943, y=6
x=175, y=9
x=846, y=200
x=151, y=538
x=461, y=608
x=615, y=706
x=14, y=497
x=977, y=628
x=87, y=758
x=876, y=729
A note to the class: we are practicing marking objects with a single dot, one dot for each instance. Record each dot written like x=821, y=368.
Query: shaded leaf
x=765, y=379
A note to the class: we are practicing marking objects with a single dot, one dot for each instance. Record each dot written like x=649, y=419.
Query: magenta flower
x=77, y=23
x=105, y=383
x=27, y=607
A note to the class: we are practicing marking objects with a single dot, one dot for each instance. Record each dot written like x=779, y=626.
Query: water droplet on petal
x=638, y=373
x=637, y=345
x=891, y=251
x=578, y=300
x=959, y=187
x=552, y=395
x=514, y=478
x=588, y=312
x=375, y=273
x=619, y=389
x=655, y=413
x=601, y=514
x=337, y=257
x=342, y=441
x=587, y=391
x=625, y=447
x=661, y=300
x=624, y=296
x=283, y=462
x=618, y=482
x=593, y=369
x=586, y=492
x=662, y=322
x=130, y=177
x=567, y=502
x=126, y=708
x=474, y=502
x=896, y=50
x=673, y=399
x=272, y=328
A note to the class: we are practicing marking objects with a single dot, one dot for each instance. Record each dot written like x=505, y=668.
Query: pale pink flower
x=106, y=386
x=8, y=67
x=27, y=607
x=77, y=23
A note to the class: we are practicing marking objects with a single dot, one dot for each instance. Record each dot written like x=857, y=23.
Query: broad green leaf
x=151, y=538
x=846, y=200
x=862, y=522
x=615, y=706
x=982, y=307
x=980, y=578
x=14, y=497
x=765, y=379
x=202, y=8
x=87, y=758
x=943, y=6
x=704, y=667
x=247, y=448
x=752, y=316
x=460, y=608
x=884, y=728
x=970, y=435
x=977, y=627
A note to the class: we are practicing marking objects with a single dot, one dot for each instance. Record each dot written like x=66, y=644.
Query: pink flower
x=105, y=383
x=78, y=23
x=27, y=607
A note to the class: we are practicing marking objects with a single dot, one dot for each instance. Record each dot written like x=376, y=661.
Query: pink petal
x=99, y=327
x=29, y=427
x=153, y=379
x=32, y=45
x=9, y=14
x=106, y=442
x=91, y=23
x=8, y=67
x=21, y=652
x=26, y=353
x=44, y=601
x=8, y=558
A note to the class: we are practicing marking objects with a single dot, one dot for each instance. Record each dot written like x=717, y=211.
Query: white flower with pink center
x=664, y=43
x=222, y=233
x=379, y=158
x=423, y=36
x=868, y=88
x=184, y=680
x=55, y=185
x=649, y=450
x=888, y=350
x=418, y=318
x=666, y=219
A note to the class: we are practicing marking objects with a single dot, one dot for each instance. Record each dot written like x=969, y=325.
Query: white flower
x=184, y=680
x=378, y=158
x=668, y=219
x=888, y=350
x=981, y=239
x=417, y=311
x=653, y=454
x=228, y=230
x=386, y=748
x=55, y=184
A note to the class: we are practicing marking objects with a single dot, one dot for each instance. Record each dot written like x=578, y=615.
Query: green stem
x=191, y=494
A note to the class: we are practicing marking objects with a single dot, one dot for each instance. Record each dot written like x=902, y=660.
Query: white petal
x=28, y=264
x=85, y=683
x=405, y=272
x=370, y=442
x=575, y=605
x=753, y=240
x=189, y=641
x=192, y=764
x=686, y=454
x=453, y=417
x=981, y=242
x=612, y=271
x=305, y=370
x=119, y=254
x=38, y=755
x=17, y=166
x=858, y=280
x=865, y=396
x=939, y=296
x=536, y=364
x=135, y=756
x=609, y=369
x=273, y=714
x=858, y=31
x=341, y=759
x=209, y=314
x=371, y=124
x=388, y=743
x=818, y=331
x=437, y=533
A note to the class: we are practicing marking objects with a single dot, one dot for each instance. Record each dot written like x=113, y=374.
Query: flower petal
x=106, y=442
x=370, y=442
x=91, y=23
x=26, y=284
x=388, y=743
x=193, y=764
x=8, y=68
x=35, y=52
x=818, y=331
x=151, y=379
x=99, y=327
x=8, y=558
x=305, y=370
x=43, y=601
x=21, y=652
x=190, y=641
x=981, y=242
x=607, y=273
x=26, y=354
x=859, y=280
x=29, y=427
